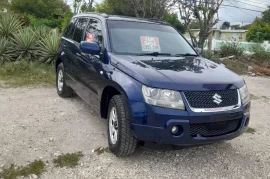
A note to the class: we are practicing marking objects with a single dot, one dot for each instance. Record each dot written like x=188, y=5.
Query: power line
x=242, y=8
x=261, y=2
x=251, y=4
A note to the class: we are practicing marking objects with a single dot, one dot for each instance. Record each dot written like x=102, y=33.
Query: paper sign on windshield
x=150, y=44
x=89, y=37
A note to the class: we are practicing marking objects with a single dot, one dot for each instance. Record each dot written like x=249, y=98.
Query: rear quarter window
x=69, y=31
x=79, y=29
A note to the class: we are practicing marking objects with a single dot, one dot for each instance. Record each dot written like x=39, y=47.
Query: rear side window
x=79, y=29
x=94, y=32
x=70, y=29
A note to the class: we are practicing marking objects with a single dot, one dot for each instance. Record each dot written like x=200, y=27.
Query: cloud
x=238, y=15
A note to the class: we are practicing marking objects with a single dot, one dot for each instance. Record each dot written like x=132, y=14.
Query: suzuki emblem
x=217, y=99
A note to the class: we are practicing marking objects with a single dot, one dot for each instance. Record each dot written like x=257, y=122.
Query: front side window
x=79, y=29
x=70, y=29
x=94, y=32
x=139, y=38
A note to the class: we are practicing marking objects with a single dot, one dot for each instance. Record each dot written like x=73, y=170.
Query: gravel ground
x=37, y=124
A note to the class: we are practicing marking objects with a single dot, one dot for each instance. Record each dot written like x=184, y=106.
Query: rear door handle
x=64, y=45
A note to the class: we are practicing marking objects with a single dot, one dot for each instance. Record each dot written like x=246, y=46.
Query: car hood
x=177, y=73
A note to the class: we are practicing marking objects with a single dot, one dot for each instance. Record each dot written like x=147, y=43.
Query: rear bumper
x=167, y=118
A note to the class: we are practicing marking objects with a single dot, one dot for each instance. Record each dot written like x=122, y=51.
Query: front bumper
x=156, y=125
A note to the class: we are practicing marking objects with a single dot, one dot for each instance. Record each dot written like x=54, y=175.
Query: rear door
x=80, y=26
x=67, y=44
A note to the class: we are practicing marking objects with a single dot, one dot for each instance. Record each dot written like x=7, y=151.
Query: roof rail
x=97, y=13
x=157, y=20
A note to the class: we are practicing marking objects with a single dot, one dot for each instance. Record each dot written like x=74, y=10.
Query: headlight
x=163, y=98
x=244, y=95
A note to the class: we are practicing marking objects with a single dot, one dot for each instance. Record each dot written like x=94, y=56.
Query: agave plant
x=42, y=31
x=48, y=47
x=5, y=50
x=9, y=24
x=25, y=44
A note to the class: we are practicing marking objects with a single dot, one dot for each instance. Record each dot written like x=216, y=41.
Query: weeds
x=253, y=97
x=210, y=55
x=37, y=167
x=260, y=54
x=101, y=150
x=23, y=73
x=233, y=48
x=68, y=160
x=251, y=130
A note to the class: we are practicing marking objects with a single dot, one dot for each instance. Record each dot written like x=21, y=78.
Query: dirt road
x=37, y=124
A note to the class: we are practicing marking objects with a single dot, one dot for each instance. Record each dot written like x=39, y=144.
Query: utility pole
x=210, y=37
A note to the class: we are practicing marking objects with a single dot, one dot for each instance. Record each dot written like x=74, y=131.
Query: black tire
x=65, y=91
x=126, y=143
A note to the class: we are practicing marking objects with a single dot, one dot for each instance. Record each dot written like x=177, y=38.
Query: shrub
x=25, y=42
x=233, y=48
x=5, y=50
x=66, y=20
x=36, y=22
x=209, y=54
x=9, y=24
x=259, y=31
x=48, y=48
x=260, y=54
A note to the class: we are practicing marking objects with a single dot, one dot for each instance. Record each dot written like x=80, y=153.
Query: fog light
x=174, y=129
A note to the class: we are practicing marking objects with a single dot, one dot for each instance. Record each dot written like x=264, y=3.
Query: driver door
x=90, y=65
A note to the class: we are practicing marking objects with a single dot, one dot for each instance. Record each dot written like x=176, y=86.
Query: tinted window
x=70, y=29
x=94, y=32
x=80, y=26
x=137, y=37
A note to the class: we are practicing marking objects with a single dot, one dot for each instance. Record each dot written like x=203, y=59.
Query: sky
x=235, y=15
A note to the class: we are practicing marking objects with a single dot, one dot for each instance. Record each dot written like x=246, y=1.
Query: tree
x=40, y=8
x=115, y=7
x=204, y=12
x=266, y=15
x=77, y=6
x=3, y=5
x=147, y=10
x=174, y=21
x=226, y=25
x=259, y=31
x=151, y=8
x=194, y=24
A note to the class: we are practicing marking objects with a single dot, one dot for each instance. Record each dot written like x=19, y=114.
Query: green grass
x=37, y=167
x=101, y=150
x=253, y=97
x=251, y=130
x=68, y=160
x=25, y=73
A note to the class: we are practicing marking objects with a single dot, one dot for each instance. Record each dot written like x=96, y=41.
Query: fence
x=216, y=44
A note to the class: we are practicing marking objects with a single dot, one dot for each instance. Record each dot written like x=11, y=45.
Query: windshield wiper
x=186, y=55
x=154, y=54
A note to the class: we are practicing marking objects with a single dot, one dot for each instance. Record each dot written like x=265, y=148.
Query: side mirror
x=199, y=50
x=90, y=48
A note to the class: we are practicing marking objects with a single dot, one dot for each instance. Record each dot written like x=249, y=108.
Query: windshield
x=146, y=38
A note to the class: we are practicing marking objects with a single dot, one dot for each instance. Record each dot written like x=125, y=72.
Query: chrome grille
x=206, y=99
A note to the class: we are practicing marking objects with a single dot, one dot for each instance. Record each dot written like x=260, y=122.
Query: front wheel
x=120, y=137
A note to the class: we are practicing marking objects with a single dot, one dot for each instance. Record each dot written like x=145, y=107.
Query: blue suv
x=149, y=83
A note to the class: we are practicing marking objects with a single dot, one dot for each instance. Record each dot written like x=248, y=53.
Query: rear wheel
x=120, y=137
x=62, y=89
